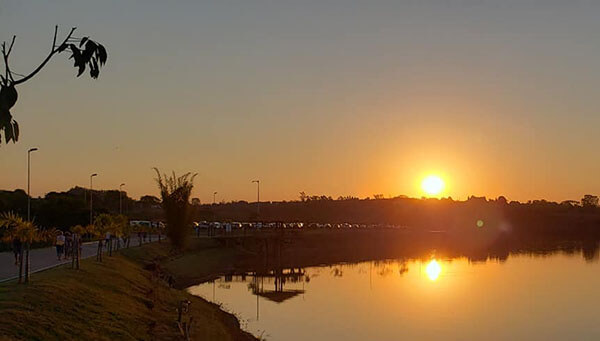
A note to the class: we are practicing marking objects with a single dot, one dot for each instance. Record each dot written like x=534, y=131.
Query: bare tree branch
x=54, y=39
x=52, y=53
x=7, y=73
x=12, y=43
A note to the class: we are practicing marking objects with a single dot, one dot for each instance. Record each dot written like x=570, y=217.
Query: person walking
x=68, y=245
x=60, y=244
x=106, y=239
x=17, y=248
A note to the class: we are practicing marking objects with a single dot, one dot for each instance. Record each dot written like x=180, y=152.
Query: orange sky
x=323, y=97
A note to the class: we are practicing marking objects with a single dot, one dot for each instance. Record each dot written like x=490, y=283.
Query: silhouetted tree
x=175, y=193
x=303, y=196
x=85, y=53
x=589, y=200
x=149, y=201
x=103, y=224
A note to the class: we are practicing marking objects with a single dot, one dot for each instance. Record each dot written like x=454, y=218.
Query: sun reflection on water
x=433, y=270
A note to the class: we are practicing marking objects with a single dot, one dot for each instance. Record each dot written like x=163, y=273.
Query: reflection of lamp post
x=28, y=182
x=257, y=198
x=214, y=198
x=120, y=199
x=91, y=196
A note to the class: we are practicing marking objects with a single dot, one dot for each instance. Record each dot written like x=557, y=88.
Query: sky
x=327, y=97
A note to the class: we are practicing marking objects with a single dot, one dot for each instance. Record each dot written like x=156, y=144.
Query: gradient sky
x=327, y=97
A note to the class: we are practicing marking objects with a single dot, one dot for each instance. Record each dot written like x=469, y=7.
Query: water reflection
x=433, y=270
x=511, y=292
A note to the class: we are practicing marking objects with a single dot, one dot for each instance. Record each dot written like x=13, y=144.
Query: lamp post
x=214, y=198
x=28, y=182
x=120, y=198
x=91, y=201
x=257, y=197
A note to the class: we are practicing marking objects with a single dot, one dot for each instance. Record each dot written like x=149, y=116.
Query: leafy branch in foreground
x=86, y=54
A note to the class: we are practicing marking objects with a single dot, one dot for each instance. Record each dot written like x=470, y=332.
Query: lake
x=537, y=297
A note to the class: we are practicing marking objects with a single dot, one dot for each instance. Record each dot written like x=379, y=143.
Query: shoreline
x=136, y=292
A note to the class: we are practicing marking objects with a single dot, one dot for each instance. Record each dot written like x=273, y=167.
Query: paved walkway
x=40, y=259
x=45, y=258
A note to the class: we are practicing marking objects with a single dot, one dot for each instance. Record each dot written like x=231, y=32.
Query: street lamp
x=120, y=199
x=214, y=198
x=91, y=195
x=257, y=197
x=28, y=182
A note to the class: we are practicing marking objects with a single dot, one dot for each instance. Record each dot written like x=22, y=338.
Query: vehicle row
x=289, y=225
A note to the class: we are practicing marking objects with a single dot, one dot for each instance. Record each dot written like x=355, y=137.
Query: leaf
x=76, y=53
x=90, y=48
x=83, y=40
x=94, y=71
x=8, y=133
x=16, y=130
x=81, y=69
x=101, y=52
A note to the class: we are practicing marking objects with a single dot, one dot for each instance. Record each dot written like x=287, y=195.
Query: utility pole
x=120, y=198
x=29, y=182
x=91, y=201
x=257, y=198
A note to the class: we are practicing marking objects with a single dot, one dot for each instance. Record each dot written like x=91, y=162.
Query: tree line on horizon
x=65, y=209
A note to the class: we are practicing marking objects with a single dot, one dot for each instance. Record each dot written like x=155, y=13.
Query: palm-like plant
x=102, y=224
x=175, y=193
x=26, y=232
x=121, y=224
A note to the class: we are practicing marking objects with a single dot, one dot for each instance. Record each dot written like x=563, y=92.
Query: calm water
x=545, y=297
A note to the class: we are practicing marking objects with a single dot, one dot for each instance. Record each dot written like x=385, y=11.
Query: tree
x=175, y=193
x=103, y=224
x=85, y=53
x=77, y=232
x=149, y=201
x=26, y=232
x=589, y=200
x=303, y=196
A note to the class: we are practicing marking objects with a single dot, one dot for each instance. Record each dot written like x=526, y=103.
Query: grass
x=114, y=300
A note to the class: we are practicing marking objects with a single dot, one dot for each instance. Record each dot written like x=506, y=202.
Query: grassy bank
x=118, y=299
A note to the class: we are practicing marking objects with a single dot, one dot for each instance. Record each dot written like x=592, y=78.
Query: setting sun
x=432, y=185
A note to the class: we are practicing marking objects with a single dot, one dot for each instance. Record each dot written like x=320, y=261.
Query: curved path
x=45, y=258
x=40, y=259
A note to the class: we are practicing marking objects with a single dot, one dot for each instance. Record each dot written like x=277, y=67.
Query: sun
x=432, y=185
